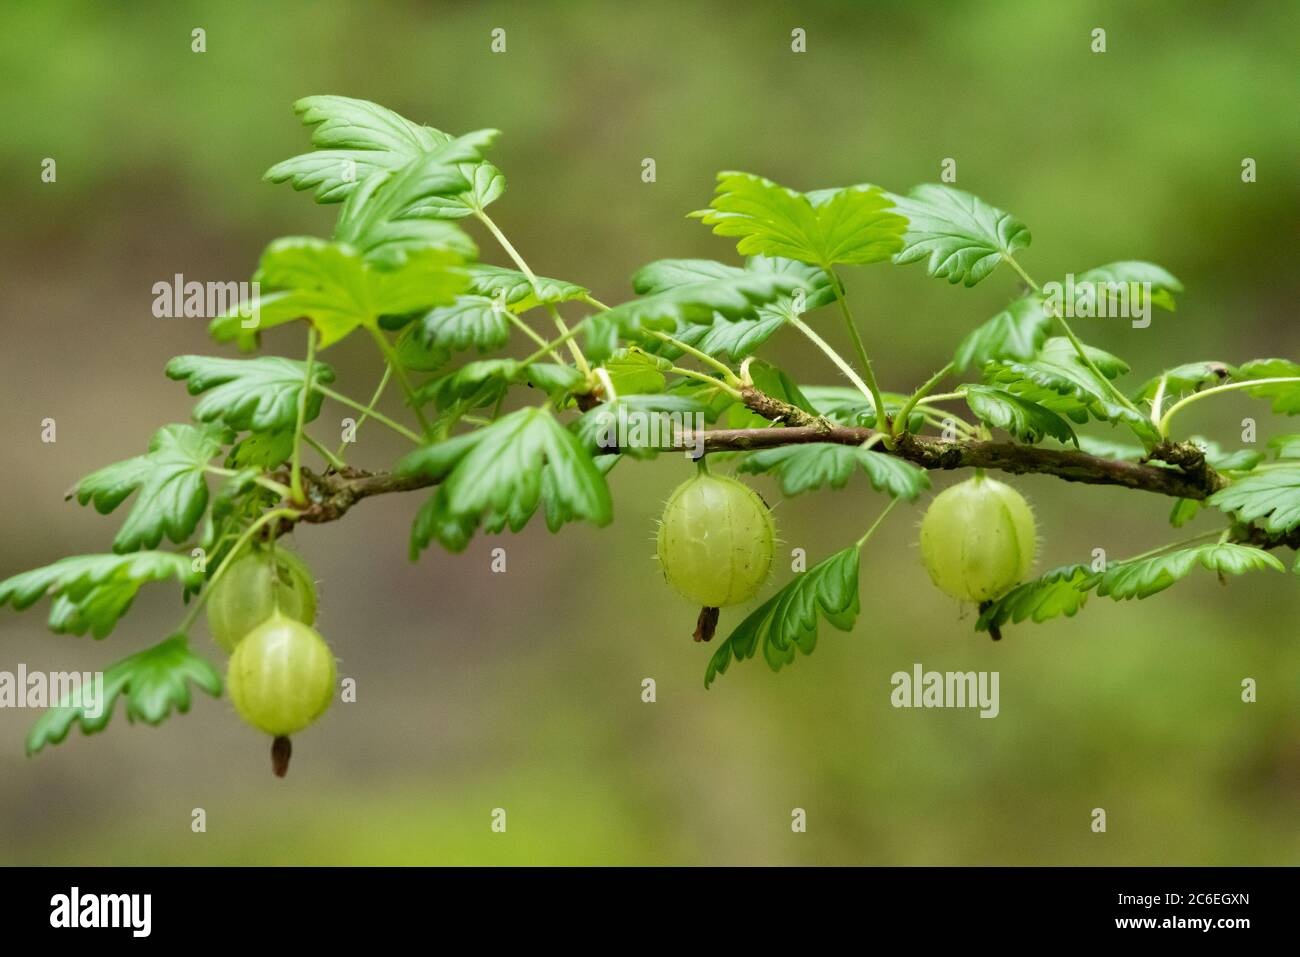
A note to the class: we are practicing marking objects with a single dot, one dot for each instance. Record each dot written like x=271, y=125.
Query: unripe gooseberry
x=281, y=676
x=978, y=539
x=716, y=541
x=253, y=587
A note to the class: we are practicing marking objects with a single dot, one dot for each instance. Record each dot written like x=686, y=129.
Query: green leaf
x=729, y=297
x=735, y=339
x=477, y=384
x=263, y=451
x=1107, y=279
x=1057, y=379
x=1190, y=377
x=638, y=425
x=413, y=354
x=803, y=468
x=469, y=321
x=556, y=380
x=1284, y=395
x=1061, y=591
x=1271, y=498
x=816, y=287
x=360, y=143
x=169, y=477
x=960, y=237
x=712, y=396
x=498, y=474
x=1145, y=577
x=487, y=184
x=93, y=591
x=154, y=682
x=634, y=371
x=392, y=214
x=1017, y=332
x=355, y=139
x=1184, y=511
x=255, y=395
x=1239, y=460
x=338, y=291
x=738, y=338
x=853, y=225
x=788, y=620
x=1285, y=446
x=1027, y=421
x=516, y=290
x=846, y=405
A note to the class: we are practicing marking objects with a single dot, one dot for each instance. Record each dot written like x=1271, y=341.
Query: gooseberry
x=978, y=539
x=253, y=587
x=281, y=676
x=716, y=541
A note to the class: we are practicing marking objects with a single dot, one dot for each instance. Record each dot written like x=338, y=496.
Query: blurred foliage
x=522, y=691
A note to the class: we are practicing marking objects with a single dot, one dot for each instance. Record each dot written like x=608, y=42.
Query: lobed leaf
x=846, y=405
x=636, y=371
x=853, y=225
x=477, y=384
x=789, y=619
x=254, y=395
x=803, y=468
x=1145, y=577
x=1061, y=591
x=1107, y=278
x=517, y=290
x=332, y=286
x=154, y=682
x=728, y=297
x=392, y=214
x=355, y=139
x=646, y=422
x=91, y=592
x=497, y=475
x=169, y=477
x=736, y=339
x=1017, y=332
x=1270, y=498
x=1285, y=446
x=359, y=142
x=1057, y=379
x=470, y=321
x=1285, y=396
x=960, y=237
x=1027, y=421
x=1190, y=377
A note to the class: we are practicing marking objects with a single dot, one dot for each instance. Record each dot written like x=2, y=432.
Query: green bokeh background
x=522, y=691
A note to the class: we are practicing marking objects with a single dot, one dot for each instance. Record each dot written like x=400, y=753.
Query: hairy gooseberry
x=281, y=676
x=716, y=541
x=978, y=539
x=253, y=587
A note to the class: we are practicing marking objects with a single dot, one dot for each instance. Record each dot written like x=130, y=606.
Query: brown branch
x=331, y=495
x=1184, y=474
x=934, y=453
